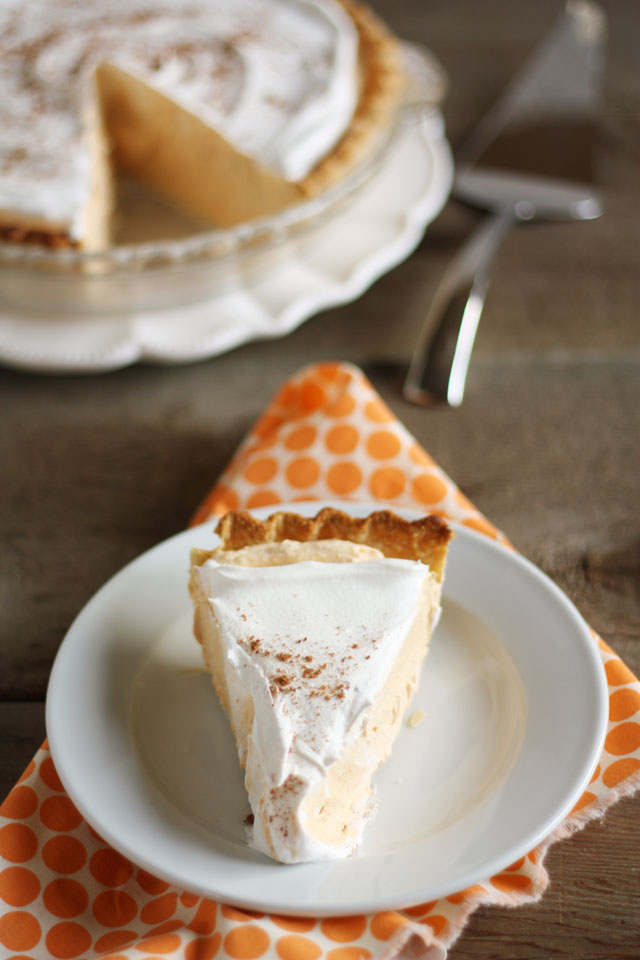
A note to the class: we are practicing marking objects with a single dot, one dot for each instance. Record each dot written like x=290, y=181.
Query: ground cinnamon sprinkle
x=309, y=674
x=282, y=680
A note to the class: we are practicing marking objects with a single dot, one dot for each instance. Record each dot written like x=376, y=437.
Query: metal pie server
x=530, y=158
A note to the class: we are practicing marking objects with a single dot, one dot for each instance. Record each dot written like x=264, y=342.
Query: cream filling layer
x=315, y=660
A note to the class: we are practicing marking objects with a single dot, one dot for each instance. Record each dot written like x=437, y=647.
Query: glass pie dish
x=191, y=264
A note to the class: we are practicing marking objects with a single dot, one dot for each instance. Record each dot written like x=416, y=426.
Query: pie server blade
x=531, y=157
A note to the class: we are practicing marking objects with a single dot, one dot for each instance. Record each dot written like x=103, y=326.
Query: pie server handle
x=438, y=369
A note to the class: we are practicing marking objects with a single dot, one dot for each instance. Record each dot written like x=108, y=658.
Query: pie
x=232, y=109
x=314, y=631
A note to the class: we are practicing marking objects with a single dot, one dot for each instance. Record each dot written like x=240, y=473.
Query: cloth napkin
x=64, y=893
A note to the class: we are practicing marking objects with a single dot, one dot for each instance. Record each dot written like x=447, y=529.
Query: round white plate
x=515, y=705
x=330, y=265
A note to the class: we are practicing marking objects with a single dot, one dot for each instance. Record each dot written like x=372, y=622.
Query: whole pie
x=232, y=109
x=314, y=631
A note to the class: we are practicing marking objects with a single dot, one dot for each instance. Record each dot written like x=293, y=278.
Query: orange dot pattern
x=330, y=436
x=65, y=894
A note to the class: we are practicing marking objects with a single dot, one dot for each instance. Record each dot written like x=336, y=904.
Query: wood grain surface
x=97, y=469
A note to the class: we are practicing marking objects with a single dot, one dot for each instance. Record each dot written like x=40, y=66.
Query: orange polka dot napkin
x=66, y=894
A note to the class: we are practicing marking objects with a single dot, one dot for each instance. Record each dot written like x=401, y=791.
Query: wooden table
x=97, y=469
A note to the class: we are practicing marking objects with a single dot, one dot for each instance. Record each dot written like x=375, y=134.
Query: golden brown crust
x=383, y=78
x=21, y=233
x=425, y=539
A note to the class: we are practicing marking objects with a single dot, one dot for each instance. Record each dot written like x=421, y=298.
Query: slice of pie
x=232, y=109
x=314, y=631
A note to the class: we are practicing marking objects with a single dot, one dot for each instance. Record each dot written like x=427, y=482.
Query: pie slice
x=314, y=631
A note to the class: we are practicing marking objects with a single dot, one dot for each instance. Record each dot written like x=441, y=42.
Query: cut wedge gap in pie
x=314, y=631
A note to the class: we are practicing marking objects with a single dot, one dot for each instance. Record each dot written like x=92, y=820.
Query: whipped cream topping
x=311, y=645
x=277, y=79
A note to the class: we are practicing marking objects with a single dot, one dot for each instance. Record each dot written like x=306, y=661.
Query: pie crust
x=425, y=539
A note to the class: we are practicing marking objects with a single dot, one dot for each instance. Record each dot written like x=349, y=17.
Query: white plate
x=330, y=265
x=516, y=709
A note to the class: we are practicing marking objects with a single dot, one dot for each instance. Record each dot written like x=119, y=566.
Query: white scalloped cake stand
x=330, y=265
